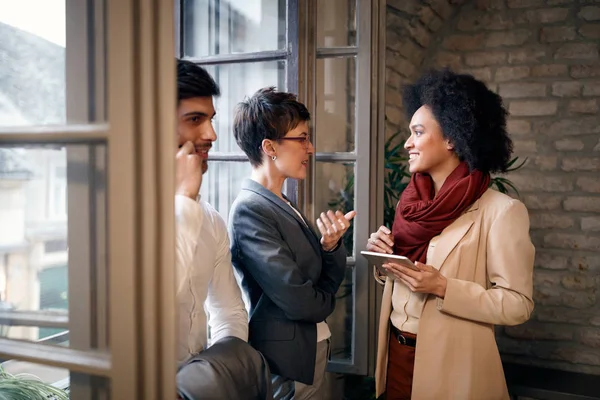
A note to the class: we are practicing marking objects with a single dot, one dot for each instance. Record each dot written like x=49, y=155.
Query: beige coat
x=487, y=257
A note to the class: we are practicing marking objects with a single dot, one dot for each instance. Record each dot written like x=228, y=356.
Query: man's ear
x=449, y=145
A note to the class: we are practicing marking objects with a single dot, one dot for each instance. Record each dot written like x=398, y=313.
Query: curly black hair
x=472, y=117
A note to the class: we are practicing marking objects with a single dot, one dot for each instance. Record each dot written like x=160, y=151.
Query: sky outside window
x=43, y=18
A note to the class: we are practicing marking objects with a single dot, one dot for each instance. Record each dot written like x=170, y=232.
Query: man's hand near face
x=188, y=172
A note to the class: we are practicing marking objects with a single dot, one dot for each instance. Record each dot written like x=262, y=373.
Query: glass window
x=340, y=321
x=33, y=69
x=32, y=72
x=238, y=81
x=222, y=183
x=212, y=27
x=34, y=243
x=336, y=23
x=54, y=295
x=335, y=191
x=336, y=91
x=59, y=192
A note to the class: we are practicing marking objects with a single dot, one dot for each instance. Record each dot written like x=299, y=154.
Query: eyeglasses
x=305, y=140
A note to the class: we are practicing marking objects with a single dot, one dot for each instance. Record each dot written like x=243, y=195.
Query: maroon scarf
x=420, y=216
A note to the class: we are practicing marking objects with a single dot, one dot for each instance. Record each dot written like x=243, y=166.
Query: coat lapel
x=249, y=184
x=452, y=235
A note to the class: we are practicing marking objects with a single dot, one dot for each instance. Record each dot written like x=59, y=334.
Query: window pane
x=212, y=27
x=340, y=321
x=334, y=183
x=72, y=384
x=45, y=205
x=335, y=104
x=222, y=183
x=236, y=82
x=42, y=80
x=336, y=23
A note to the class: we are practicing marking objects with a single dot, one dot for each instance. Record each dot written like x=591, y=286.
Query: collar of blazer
x=253, y=186
x=452, y=235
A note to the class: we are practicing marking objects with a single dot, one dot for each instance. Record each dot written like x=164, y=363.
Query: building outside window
x=32, y=179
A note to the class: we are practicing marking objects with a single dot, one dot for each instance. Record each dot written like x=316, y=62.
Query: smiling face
x=194, y=124
x=292, y=153
x=429, y=152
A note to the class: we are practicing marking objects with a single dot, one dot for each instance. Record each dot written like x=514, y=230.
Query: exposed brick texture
x=542, y=57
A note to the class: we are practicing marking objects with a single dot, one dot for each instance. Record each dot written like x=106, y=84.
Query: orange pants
x=401, y=363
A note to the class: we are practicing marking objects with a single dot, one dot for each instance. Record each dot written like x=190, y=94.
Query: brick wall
x=542, y=57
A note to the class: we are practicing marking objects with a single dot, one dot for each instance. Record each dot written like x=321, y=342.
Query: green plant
x=27, y=387
x=502, y=184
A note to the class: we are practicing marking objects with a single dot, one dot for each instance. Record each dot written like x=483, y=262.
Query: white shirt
x=323, y=332
x=407, y=306
x=206, y=286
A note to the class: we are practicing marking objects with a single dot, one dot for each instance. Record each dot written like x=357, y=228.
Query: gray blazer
x=288, y=278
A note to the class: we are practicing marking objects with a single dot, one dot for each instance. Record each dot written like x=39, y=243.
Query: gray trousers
x=230, y=369
x=285, y=389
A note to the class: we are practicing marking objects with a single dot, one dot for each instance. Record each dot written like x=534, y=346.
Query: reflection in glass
x=222, y=183
x=336, y=104
x=32, y=70
x=238, y=81
x=336, y=23
x=334, y=190
x=340, y=321
x=35, y=184
x=212, y=27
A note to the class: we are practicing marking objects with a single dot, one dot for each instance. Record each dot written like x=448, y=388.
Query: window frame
x=290, y=54
x=301, y=54
x=141, y=327
x=360, y=158
x=368, y=159
x=86, y=189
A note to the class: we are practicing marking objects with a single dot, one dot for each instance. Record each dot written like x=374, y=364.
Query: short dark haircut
x=268, y=114
x=472, y=117
x=194, y=81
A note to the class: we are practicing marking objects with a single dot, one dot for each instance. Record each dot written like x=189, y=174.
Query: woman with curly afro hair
x=470, y=244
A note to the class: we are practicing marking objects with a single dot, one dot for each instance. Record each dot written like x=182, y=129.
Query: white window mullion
x=48, y=134
x=122, y=241
x=86, y=210
x=86, y=362
x=141, y=148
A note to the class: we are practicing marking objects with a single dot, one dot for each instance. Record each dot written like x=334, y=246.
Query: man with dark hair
x=204, y=272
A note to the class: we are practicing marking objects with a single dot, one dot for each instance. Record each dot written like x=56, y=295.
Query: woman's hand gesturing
x=333, y=226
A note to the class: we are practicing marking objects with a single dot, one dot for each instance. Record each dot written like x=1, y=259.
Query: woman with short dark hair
x=289, y=275
x=470, y=244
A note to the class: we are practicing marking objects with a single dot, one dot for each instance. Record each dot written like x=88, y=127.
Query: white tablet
x=378, y=259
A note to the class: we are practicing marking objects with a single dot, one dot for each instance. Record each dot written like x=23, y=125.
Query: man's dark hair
x=194, y=81
x=472, y=117
x=268, y=114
